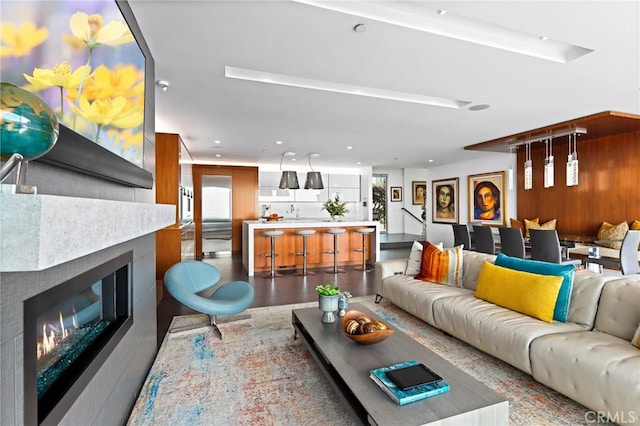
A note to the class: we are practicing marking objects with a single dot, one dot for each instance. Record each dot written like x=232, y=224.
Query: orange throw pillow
x=441, y=266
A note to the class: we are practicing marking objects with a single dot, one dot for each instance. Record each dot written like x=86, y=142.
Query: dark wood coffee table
x=346, y=364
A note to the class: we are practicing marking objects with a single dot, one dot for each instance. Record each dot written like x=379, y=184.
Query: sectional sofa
x=589, y=358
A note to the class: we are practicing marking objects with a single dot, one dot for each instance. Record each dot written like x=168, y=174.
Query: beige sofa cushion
x=595, y=369
x=417, y=297
x=498, y=331
x=619, y=308
x=587, y=288
x=471, y=267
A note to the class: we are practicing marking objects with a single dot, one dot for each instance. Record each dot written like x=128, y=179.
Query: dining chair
x=628, y=261
x=484, y=241
x=545, y=246
x=512, y=242
x=461, y=235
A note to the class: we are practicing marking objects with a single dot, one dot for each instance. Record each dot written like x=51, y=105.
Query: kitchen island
x=255, y=245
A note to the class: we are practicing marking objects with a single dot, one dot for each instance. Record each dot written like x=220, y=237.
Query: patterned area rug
x=259, y=375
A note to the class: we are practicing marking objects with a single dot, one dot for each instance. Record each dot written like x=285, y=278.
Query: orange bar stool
x=364, y=232
x=335, y=232
x=304, y=233
x=272, y=254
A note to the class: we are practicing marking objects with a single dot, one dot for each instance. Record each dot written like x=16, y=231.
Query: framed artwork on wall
x=396, y=193
x=487, y=198
x=419, y=192
x=445, y=201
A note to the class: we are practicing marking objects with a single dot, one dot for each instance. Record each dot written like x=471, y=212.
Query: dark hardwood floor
x=284, y=290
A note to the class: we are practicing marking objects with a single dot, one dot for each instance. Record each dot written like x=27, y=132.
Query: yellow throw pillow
x=635, y=226
x=529, y=224
x=530, y=294
x=612, y=232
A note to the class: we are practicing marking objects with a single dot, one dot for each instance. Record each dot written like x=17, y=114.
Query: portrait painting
x=487, y=198
x=396, y=193
x=445, y=201
x=419, y=192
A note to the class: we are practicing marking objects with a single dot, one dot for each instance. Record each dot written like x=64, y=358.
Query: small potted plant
x=328, y=301
x=336, y=207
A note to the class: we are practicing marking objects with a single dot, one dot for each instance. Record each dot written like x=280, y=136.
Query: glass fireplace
x=69, y=331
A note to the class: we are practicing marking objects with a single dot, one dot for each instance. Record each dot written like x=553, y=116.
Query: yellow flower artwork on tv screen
x=81, y=58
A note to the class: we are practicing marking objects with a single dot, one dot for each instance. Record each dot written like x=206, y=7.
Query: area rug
x=259, y=375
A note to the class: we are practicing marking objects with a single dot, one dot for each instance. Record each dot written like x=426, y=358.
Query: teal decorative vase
x=28, y=126
x=328, y=305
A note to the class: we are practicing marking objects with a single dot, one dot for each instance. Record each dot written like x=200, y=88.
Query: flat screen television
x=83, y=58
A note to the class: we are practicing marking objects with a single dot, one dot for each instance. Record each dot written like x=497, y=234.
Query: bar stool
x=335, y=232
x=364, y=232
x=272, y=254
x=304, y=233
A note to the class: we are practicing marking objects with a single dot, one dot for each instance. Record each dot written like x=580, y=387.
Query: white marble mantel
x=41, y=231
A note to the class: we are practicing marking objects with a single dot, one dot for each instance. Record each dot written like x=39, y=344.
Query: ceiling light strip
x=328, y=86
x=418, y=17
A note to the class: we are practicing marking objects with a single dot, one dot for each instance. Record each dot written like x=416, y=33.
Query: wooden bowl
x=368, y=338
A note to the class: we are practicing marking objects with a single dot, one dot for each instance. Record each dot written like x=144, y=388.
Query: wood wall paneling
x=244, y=199
x=168, y=240
x=608, y=189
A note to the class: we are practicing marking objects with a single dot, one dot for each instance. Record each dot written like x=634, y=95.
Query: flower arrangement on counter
x=92, y=77
x=335, y=206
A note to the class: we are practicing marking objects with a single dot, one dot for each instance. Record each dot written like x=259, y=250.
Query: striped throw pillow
x=636, y=337
x=441, y=266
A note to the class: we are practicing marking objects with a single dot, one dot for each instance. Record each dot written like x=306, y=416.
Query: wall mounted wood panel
x=244, y=199
x=608, y=190
x=168, y=246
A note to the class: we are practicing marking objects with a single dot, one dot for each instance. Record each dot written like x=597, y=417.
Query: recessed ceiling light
x=431, y=161
x=278, y=142
x=329, y=86
x=544, y=38
x=349, y=147
x=216, y=141
x=358, y=162
x=441, y=12
x=479, y=107
x=416, y=16
x=218, y=155
x=360, y=28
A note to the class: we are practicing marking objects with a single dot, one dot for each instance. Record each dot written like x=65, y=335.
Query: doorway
x=216, y=215
x=379, y=187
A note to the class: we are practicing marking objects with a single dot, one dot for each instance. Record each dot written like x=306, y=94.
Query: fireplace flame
x=55, y=335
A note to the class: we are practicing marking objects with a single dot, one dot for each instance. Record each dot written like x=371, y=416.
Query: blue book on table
x=379, y=375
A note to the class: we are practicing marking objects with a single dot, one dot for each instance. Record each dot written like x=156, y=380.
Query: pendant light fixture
x=528, y=167
x=289, y=178
x=572, y=161
x=548, y=163
x=510, y=173
x=314, y=179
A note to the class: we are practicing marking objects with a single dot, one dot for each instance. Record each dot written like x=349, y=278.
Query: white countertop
x=307, y=223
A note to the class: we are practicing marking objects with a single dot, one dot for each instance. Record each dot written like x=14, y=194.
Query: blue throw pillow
x=561, y=310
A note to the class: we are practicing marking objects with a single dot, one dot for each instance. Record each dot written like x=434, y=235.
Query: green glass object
x=28, y=126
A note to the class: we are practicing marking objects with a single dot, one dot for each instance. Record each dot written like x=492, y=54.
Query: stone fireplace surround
x=46, y=240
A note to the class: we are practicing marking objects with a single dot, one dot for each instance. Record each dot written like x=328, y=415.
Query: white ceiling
x=193, y=41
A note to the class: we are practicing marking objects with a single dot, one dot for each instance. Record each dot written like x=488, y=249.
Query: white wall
x=493, y=162
x=401, y=222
